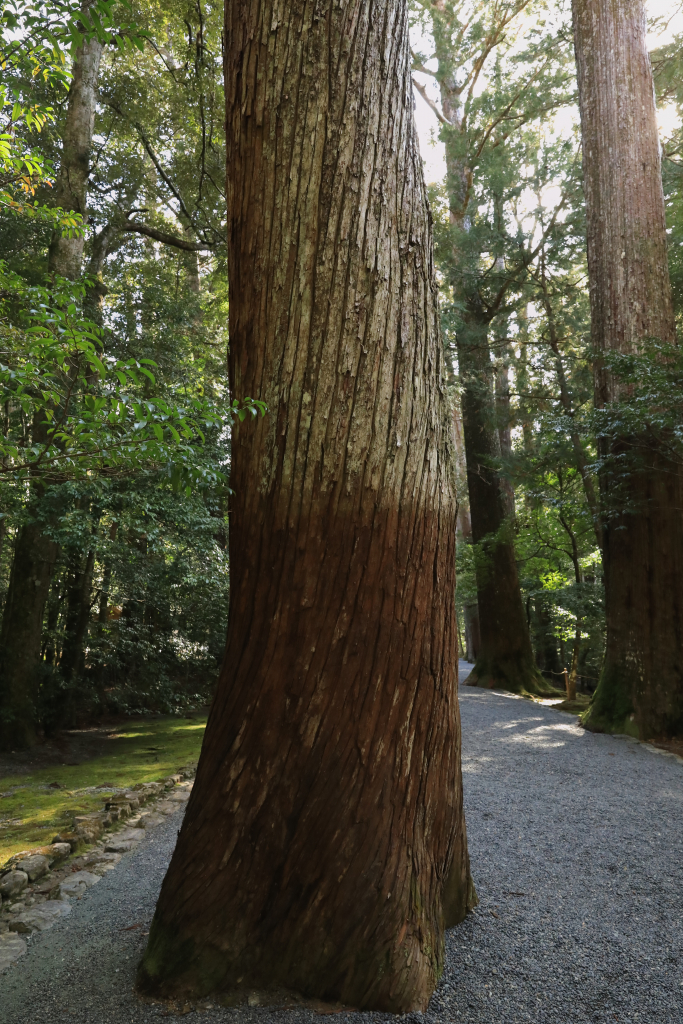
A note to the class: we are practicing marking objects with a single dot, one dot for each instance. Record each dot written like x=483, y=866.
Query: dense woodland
x=446, y=421
x=133, y=614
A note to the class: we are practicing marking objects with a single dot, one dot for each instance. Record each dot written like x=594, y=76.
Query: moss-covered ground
x=34, y=806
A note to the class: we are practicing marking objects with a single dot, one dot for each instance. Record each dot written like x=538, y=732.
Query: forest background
x=127, y=358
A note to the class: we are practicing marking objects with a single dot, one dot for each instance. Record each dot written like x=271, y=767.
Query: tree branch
x=430, y=102
x=165, y=238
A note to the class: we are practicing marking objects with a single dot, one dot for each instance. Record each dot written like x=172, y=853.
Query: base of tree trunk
x=177, y=968
x=510, y=675
x=611, y=709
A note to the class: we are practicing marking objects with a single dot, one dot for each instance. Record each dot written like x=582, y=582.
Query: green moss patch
x=32, y=810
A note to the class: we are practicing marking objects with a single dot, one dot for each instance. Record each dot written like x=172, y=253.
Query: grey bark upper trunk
x=71, y=189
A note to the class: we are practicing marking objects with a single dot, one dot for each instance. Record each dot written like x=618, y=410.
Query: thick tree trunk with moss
x=327, y=811
x=641, y=685
x=34, y=552
x=506, y=659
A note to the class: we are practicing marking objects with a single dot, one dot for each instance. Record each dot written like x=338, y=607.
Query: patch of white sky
x=665, y=19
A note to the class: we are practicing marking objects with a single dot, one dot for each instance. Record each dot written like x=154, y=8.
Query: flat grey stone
x=11, y=948
x=179, y=795
x=35, y=866
x=102, y=867
x=167, y=807
x=120, y=845
x=12, y=883
x=106, y=858
x=136, y=834
x=39, y=919
x=76, y=884
x=150, y=818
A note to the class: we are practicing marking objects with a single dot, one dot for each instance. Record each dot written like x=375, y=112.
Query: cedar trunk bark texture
x=641, y=685
x=323, y=848
x=34, y=552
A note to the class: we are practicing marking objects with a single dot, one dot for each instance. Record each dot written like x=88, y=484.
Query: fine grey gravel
x=576, y=843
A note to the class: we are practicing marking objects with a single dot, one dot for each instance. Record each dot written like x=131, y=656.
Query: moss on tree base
x=611, y=709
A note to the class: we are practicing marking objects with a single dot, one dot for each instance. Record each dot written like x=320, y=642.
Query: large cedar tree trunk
x=641, y=685
x=323, y=848
x=34, y=552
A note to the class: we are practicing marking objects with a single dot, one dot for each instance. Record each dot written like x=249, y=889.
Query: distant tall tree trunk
x=77, y=616
x=327, y=810
x=506, y=659
x=464, y=532
x=103, y=612
x=641, y=684
x=502, y=392
x=34, y=552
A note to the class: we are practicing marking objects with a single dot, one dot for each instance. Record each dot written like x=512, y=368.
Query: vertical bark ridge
x=328, y=801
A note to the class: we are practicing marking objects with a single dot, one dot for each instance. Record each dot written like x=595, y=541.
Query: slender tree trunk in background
x=522, y=378
x=327, y=811
x=545, y=641
x=641, y=684
x=502, y=393
x=506, y=659
x=51, y=619
x=77, y=617
x=34, y=552
x=103, y=613
x=464, y=532
x=578, y=579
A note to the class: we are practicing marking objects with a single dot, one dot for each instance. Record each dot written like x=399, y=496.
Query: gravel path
x=576, y=843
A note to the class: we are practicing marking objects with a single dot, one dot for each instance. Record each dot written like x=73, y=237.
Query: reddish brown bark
x=324, y=845
x=641, y=686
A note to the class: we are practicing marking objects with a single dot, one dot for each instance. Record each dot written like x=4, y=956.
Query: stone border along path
x=577, y=851
x=36, y=886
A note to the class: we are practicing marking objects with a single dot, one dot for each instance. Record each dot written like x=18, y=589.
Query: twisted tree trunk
x=641, y=685
x=327, y=811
